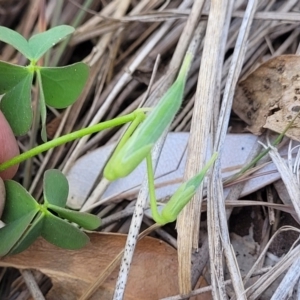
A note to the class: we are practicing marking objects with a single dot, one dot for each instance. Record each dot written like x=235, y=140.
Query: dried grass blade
x=287, y=177
x=206, y=95
x=216, y=196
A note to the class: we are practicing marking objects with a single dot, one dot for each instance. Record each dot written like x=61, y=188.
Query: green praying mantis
x=133, y=150
x=136, y=145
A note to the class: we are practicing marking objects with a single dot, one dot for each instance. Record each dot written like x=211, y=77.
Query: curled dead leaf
x=153, y=272
x=270, y=96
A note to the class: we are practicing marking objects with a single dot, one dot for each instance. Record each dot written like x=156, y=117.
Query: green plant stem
x=33, y=136
x=42, y=105
x=70, y=137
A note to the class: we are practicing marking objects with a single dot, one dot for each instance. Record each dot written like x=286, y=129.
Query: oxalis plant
x=59, y=87
x=26, y=219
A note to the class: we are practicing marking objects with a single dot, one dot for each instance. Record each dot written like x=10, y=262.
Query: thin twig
x=32, y=285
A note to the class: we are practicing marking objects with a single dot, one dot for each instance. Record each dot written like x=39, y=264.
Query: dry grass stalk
x=207, y=88
x=215, y=184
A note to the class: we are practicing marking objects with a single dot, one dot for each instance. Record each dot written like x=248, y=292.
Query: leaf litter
x=270, y=96
x=148, y=279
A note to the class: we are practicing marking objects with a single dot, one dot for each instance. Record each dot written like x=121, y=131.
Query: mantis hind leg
x=153, y=203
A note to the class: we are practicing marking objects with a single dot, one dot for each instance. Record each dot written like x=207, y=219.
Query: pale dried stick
x=287, y=43
x=265, y=28
x=104, y=14
x=253, y=288
x=213, y=215
x=186, y=35
x=32, y=285
x=265, y=280
x=215, y=185
x=188, y=221
x=289, y=281
x=288, y=177
x=209, y=288
x=272, y=16
x=135, y=228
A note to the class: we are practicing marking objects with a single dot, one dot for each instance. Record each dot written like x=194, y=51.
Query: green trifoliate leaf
x=12, y=232
x=62, y=86
x=33, y=232
x=40, y=43
x=18, y=202
x=16, y=40
x=16, y=106
x=56, y=188
x=10, y=76
x=63, y=234
x=85, y=220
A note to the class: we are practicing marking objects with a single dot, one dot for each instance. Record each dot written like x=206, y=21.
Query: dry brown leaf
x=153, y=273
x=52, y=126
x=204, y=296
x=270, y=96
